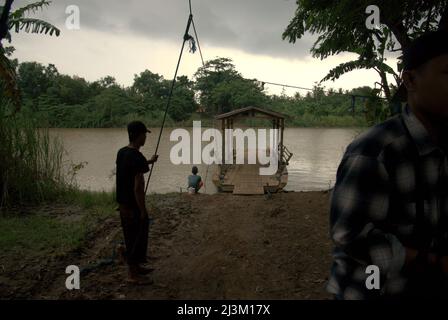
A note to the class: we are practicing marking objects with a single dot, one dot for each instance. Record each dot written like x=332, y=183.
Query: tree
x=71, y=90
x=110, y=105
x=151, y=90
x=237, y=93
x=18, y=21
x=222, y=88
x=104, y=83
x=341, y=28
x=183, y=102
x=34, y=79
x=98, y=86
x=210, y=76
x=149, y=83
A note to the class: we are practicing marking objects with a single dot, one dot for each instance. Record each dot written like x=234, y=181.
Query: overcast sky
x=121, y=38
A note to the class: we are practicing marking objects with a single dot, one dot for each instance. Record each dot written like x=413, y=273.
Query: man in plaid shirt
x=389, y=207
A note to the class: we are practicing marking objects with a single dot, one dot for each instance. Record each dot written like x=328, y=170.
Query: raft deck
x=246, y=180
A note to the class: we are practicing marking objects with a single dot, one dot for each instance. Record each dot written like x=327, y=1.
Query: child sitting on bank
x=194, y=181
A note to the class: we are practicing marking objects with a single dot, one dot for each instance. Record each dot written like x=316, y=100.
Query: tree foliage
x=222, y=88
x=70, y=101
x=18, y=21
x=340, y=26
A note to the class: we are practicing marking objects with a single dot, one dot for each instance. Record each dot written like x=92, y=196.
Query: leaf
x=33, y=7
x=340, y=27
x=343, y=68
x=31, y=25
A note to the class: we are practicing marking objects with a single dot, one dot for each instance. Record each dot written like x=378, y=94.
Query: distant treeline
x=59, y=100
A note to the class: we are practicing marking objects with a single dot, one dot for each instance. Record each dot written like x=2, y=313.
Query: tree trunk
x=384, y=83
x=443, y=24
x=4, y=19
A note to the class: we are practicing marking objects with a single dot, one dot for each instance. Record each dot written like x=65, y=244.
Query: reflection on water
x=317, y=153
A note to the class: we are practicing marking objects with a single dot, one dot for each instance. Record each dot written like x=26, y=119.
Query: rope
x=311, y=89
x=192, y=42
x=203, y=65
x=186, y=38
x=197, y=40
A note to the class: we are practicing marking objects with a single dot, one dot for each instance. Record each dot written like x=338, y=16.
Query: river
x=316, y=156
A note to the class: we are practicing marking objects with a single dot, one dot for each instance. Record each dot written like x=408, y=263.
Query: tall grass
x=31, y=161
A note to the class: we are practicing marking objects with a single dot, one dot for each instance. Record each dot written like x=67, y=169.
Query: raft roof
x=250, y=112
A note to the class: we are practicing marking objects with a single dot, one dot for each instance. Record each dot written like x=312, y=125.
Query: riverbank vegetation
x=59, y=100
x=32, y=169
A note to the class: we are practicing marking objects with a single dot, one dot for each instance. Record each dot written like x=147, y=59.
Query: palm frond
x=33, y=8
x=345, y=67
x=30, y=25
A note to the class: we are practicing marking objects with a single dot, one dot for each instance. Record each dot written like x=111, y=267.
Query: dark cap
x=423, y=49
x=137, y=127
x=426, y=47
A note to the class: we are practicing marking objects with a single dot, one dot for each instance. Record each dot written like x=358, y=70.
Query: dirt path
x=218, y=247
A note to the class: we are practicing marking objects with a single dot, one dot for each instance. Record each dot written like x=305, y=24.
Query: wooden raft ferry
x=245, y=179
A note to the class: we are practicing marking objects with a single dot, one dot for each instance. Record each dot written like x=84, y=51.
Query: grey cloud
x=253, y=26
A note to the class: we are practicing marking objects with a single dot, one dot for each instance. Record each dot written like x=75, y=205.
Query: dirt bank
x=211, y=247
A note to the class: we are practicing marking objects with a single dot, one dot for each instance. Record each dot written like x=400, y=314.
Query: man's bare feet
x=135, y=277
x=143, y=271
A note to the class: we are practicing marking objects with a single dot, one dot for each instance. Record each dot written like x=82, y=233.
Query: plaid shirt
x=386, y=177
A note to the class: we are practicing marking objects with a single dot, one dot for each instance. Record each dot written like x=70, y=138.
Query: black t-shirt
x=129, y=163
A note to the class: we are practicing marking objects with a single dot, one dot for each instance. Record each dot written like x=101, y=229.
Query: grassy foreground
x=43, y=228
